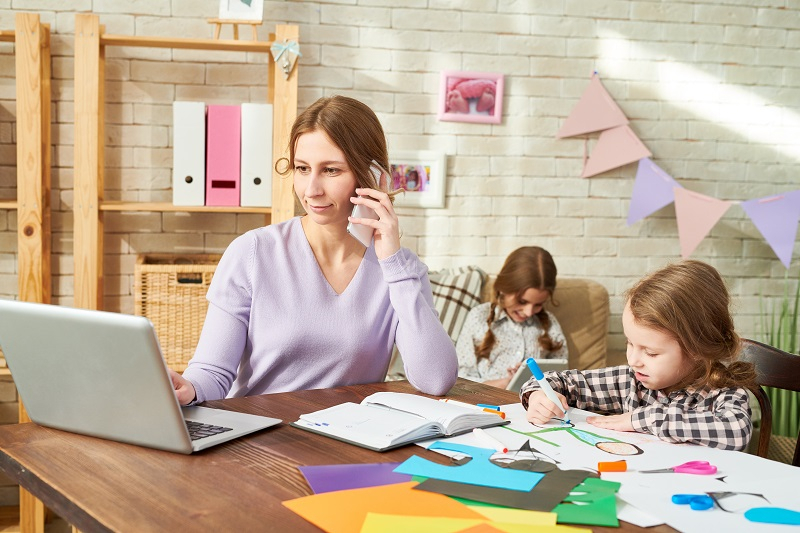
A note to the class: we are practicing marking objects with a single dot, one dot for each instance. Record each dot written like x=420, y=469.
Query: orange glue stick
x=612, y=466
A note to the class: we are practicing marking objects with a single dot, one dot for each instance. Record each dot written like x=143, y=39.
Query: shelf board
x=164, y=206
x=8, y=204
x=7, y=36
x=228, y=45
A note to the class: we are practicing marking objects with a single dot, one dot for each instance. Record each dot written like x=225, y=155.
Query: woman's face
x=529, y=304
x=323, y=181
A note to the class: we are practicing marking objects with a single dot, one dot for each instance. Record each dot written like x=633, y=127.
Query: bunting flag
x=616, y=147
x=652, y=190
x=696, y=214
x=776, y=217
x=595, y=111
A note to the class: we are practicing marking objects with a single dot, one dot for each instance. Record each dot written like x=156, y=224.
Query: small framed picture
x=471, y=97
x=241, y=10
x=422, y=175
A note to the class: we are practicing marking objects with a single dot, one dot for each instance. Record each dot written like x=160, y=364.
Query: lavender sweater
x=274, y=324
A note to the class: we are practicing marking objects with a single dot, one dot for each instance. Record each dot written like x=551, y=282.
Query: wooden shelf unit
x=31, y=41
x=89, y=207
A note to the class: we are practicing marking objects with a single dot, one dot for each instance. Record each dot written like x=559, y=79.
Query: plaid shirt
x=717, y=418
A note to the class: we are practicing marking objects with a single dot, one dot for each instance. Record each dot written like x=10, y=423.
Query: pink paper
x=776, y=217
x=595, y=111
x=615, y=148
x=652, y=190
x=696, y=214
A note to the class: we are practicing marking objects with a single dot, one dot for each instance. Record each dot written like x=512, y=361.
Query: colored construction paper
x=386, y=523
x=478, y=471
x=615, y=148
x=327, y=478
x=595, y=111
x=773, y=515
x=549, y=492
x=652, y=190
x=696, y=214
x=593, y=502
x=776, y=217
x=344, y=511
x=517, y=516
x=383, y=523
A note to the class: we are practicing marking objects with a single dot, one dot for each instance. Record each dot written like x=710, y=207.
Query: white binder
x=256, y=177
x=188, y=153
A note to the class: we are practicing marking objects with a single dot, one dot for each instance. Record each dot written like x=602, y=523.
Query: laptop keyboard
x=198, y=430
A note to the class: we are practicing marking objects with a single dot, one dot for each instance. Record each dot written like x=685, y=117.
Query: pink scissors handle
x=703, y=468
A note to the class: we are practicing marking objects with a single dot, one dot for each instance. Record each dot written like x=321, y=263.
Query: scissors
x=701, y=468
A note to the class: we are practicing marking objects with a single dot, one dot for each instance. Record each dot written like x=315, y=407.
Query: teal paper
x=479, y=471
x=773, y=515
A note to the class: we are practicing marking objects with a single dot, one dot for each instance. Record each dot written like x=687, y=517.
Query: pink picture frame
x=471, y=97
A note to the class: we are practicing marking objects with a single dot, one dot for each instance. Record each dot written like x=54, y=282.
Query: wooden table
x=99, y=485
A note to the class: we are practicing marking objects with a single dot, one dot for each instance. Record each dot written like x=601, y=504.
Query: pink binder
x=223, y=155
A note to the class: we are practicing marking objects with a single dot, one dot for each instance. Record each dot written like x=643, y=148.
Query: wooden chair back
x=774, y=368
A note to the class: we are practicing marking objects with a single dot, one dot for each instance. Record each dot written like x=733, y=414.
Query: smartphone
x=364, y=233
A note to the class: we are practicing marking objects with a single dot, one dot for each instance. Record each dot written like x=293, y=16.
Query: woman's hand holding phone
x=381, y=224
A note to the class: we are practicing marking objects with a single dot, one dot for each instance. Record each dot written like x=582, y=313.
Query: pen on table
x=501, y=414
x=489, y=440
x=487, y=406
x=546, y=388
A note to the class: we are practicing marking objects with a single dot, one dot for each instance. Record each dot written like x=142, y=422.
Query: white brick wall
x=712, y=88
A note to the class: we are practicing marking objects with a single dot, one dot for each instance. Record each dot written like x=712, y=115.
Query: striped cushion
x=455, y=292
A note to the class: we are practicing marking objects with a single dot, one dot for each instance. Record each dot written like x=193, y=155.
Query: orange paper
x=344, y=511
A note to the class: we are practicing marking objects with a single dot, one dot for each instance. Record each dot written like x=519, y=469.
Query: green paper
x=597, y=504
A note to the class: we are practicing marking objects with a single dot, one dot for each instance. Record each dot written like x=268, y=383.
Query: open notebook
x=102, y=374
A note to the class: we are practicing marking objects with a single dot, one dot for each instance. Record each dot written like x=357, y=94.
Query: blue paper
x=773, y=515
x=479, y=471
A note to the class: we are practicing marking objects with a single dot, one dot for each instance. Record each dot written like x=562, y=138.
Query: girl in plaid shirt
x=682, y=382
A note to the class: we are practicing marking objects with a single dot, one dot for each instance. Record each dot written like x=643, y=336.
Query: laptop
x=102, y=374
x=523, y=373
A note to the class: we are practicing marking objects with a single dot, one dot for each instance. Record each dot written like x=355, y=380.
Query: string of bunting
x=776, y=217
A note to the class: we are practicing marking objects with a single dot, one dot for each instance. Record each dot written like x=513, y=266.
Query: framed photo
x=471, y=97
x=421, y=174
x=241, y=10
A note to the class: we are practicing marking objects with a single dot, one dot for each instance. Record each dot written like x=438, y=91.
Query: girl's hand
x=541, y=410
x=387, y=228
x=616, y=422
x=184, y=390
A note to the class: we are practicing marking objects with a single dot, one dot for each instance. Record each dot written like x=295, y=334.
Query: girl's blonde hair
x=689, y=301
x=529, y=267
x=354, y=129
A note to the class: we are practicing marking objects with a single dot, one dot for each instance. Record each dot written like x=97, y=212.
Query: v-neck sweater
x=275, y=324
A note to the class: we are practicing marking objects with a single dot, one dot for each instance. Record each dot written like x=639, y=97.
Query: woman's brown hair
x=353, y=127
x=689, y=302
x=529, y=267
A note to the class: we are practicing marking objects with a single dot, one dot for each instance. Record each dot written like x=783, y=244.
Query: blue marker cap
x=535, y=370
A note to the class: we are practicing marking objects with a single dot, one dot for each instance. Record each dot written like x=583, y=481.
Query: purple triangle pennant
x=652, y=190
x=776, y=217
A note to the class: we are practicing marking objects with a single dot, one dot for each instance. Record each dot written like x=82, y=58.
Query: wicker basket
x=170, y=290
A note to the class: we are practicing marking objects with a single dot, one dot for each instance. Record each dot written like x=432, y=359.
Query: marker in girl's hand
x=545, y=386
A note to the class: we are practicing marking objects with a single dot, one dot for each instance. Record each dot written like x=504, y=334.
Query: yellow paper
x=517, y=516
x=384, y=523
x=344, y=511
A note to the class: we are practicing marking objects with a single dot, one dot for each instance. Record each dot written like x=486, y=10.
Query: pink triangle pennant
x=652, y=190
x=615, y=147
x=776, y=217
x=696, y=214
x=595, y=111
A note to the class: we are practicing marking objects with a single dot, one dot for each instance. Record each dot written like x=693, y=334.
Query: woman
x=498, y=336
x=302, y=304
